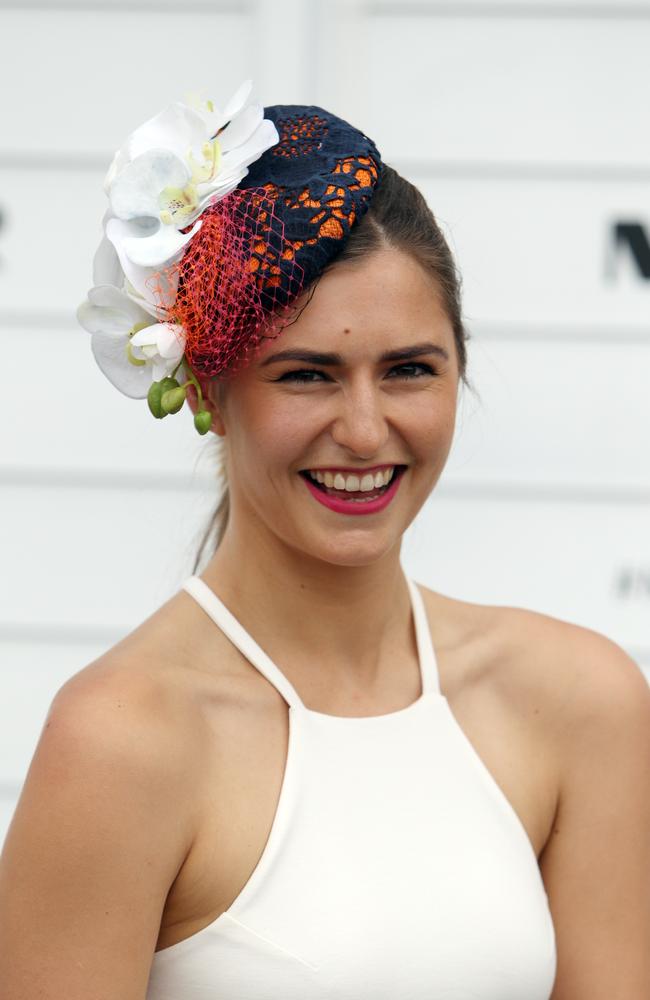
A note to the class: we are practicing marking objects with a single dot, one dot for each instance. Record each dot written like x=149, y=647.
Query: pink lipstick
x=355, y=506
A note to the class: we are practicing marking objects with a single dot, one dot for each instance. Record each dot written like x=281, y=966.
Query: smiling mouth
x=354, y=494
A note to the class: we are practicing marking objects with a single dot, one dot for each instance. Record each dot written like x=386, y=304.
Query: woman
x=305, y=775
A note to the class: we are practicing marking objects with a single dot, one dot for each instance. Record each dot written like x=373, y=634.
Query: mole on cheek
x=346, y=329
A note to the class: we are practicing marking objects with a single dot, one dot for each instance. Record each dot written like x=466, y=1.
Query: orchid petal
x=213, y=194
x=111, y=298
x=241, y=128
x=106, y=265
x=171, y=343
x=175, y=129
x=155, y=286
x=168, y=339
x=96, y=320
x=118, y=163
x=116, y=231
x=109, y=350
x=161, y=369
x=238, y=100
x=216, y=119
x=166, y=284
x=234, y=164
x=265, y=136
x=162, y=247
x=135, y=192
x=109, y=310
x=163, y=345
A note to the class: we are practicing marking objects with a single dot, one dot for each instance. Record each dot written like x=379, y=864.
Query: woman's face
x=340, y=405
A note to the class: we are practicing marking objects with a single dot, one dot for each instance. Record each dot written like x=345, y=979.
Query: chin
x=341, y=551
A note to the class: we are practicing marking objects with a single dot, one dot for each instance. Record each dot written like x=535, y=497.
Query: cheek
x=431, y=422
x=272, y=433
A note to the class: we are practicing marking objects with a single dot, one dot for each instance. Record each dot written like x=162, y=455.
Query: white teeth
x=352, y=483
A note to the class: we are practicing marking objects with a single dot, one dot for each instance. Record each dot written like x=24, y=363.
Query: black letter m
x=633, y=236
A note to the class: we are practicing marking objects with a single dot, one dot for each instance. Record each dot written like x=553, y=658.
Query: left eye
x=424, y=369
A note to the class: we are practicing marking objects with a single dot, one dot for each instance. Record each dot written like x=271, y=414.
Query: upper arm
x=95, y=842
x=596, y=863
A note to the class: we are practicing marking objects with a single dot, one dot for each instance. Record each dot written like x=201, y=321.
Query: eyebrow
x=333, y=360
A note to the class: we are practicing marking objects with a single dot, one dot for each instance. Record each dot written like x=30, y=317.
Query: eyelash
x=291, y=376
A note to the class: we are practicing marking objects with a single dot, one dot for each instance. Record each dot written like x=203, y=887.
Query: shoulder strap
x=235, y=631
x=426, y=652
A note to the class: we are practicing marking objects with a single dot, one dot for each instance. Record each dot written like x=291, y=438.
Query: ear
x=209, y=403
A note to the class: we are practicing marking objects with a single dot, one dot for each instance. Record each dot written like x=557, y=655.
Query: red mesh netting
x=230, y=295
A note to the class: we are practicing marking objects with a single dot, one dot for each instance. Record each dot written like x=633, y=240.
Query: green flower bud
x=203, y=421
x=153, y=399
x=172, y=400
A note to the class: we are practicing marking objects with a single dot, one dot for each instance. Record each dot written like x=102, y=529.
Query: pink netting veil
x=232, y=294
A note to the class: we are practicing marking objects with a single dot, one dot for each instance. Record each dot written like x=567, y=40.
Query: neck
x=357, y=618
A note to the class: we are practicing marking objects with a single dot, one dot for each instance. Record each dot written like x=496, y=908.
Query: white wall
x=526, y=126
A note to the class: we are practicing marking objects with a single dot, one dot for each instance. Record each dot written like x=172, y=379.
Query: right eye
x=299, y=375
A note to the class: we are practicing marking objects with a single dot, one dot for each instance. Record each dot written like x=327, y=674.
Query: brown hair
x=398, y=216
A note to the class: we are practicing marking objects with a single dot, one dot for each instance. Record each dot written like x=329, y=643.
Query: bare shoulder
x=571, y=671
x=586, y=678
x=143, y=692
x=121, y=717
x=126, y=694
x=104, y=821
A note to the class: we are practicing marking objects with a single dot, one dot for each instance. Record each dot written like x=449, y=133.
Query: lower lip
x=354, y=506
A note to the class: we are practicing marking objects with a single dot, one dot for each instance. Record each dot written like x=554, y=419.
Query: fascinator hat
x=217, y=221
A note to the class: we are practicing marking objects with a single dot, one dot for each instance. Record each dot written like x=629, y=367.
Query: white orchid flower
x=154, y=289
x=108, y=270
x=131, y=349
x=171, y=168
x=162, y=344
x=167, y=173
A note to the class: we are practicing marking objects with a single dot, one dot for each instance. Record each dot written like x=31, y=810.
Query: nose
x=360, y=426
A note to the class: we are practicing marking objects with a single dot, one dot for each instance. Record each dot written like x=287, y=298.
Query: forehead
x=384, y=301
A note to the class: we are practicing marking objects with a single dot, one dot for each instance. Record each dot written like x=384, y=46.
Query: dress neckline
x=248, y=646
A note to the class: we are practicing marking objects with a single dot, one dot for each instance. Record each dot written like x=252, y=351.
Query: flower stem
x=192, y=381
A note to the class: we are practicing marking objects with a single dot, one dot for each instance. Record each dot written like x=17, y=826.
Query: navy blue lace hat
x=325, y=171
x=264, y=243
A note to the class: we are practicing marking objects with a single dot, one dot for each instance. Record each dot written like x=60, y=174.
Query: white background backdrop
x=526, y=126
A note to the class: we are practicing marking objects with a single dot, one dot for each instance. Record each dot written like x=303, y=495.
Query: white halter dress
x=395, y=869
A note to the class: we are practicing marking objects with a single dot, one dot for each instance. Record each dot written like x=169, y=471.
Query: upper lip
x=352, y=470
